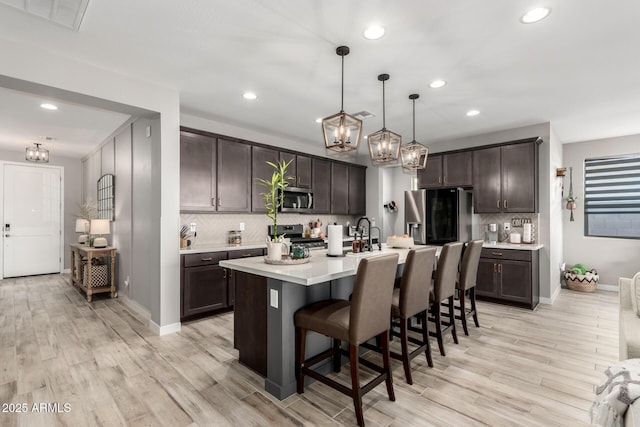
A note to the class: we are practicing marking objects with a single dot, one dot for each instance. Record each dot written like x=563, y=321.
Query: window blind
x=612, y=185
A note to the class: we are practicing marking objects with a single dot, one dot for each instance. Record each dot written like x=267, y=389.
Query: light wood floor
x=520, y=368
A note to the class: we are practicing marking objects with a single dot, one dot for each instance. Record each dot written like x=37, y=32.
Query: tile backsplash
x=481, y=220
x=214, y=228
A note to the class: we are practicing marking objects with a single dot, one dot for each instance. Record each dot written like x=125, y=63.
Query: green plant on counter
x=274, y=196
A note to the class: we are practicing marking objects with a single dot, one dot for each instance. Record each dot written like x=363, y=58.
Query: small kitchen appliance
x=491, y=234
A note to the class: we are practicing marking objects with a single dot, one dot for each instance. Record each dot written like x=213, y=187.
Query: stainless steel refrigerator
x=436, y=217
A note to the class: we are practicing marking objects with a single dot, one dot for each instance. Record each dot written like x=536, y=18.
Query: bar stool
x=444, y=288
x=411, y=299
x=365, y=317
x=467, y=282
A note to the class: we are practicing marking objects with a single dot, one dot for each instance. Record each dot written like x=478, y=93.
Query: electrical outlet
x=193, y=227
x=273, y=297
x=241, y=228
x=126, y=282
x=507, y=227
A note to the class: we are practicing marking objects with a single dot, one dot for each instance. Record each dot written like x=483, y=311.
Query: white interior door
x=32, y=220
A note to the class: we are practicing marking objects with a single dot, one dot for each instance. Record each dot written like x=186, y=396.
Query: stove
x=295, y=233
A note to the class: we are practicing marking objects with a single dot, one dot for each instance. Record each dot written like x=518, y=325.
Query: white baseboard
x=66, y=271
x=164, y=330
x=612, y=288
x=549, y=301
x=135, y=306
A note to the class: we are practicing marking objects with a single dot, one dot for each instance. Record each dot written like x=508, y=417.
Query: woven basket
x=582, y=282
x=99, y=275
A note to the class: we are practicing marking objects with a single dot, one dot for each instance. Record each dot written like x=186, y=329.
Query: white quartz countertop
x=516, y=246
x=321, y=268
x=219, y=247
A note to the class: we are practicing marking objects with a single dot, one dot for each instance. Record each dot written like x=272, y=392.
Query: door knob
x=7, y=235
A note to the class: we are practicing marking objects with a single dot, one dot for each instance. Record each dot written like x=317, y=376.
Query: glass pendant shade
x=414, y=155
x=37, y=154
x=384, y=145
x=342, y=131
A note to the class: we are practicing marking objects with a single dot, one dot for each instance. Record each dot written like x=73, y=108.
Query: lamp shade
x=82, y=225
x=100, y=226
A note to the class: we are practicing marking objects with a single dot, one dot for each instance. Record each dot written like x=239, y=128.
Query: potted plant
x=273, y=199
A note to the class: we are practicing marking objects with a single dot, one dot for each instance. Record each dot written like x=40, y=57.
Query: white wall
x=612, y=258
x=73, y=80
x=72, y=184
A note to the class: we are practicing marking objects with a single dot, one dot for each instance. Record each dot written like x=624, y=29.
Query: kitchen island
x=267, y=296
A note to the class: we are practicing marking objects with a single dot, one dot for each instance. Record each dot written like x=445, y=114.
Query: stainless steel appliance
x=436, y=217
x=297, y=200
x=295, y=234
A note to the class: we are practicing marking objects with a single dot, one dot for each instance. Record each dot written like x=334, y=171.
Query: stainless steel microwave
x=297, y=200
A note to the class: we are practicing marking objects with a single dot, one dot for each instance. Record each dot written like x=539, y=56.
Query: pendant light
x=414, y=154
x=37, y=154
x=384, y=145
x=341, y=131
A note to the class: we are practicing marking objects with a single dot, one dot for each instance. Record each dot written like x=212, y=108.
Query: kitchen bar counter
x=266, y=298
x=516, y=246
x=219, y=247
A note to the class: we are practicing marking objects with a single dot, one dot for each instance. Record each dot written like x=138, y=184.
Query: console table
x=85, y=275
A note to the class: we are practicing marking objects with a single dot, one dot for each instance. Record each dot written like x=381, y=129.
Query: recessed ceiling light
x=48, y=106
x=319, y=120
x=249, y=95
x=472, y=113
x=535, y=15
x=373, y=32
x=437, y=84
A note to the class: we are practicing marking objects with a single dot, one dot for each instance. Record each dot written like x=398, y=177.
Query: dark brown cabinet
x=260, y=170
x=197, y=172
x=321, y=184
x=339, y=189
x=357, y=190
x=509, y=276
x=505, y=179
x=204, y=284
x=206, y=287
x=447, y=170
x=299, y=169
x=234, y=176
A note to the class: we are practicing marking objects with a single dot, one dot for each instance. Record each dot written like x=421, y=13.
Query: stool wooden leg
x=425, y=338
x=336, y=355
x=463, y=313
x=301, y=337
x=472, y=297
x=452, y=319
x=356, y=392
x=406, y=363
x=386, y=363
x=438, y=327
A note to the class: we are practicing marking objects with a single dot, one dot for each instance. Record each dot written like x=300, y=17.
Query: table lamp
x=82, y=226
x=100, y=227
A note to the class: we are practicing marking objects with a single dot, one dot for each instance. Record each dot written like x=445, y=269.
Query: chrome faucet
x=368, y=231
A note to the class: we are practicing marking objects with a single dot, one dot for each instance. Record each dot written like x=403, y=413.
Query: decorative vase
x=276, y=250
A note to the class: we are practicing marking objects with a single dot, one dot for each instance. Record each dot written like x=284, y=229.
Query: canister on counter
x=235, y=237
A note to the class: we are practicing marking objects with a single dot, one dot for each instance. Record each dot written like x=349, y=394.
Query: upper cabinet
x=447, y=170
x=215, y=174
x=505, y=178
x=321, y=184
x=261, y=170
x=234, y=176
x=357, y=190
x=197, y=172
x=339, y=189
x=299, y=169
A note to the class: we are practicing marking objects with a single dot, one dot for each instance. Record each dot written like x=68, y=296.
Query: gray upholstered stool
x=366, y=316
x=467, y=282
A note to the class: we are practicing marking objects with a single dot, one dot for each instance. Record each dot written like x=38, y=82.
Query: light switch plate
x=273, y=297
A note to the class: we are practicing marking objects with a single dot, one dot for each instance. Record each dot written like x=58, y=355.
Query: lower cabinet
x=207, y=288
x=509, y=276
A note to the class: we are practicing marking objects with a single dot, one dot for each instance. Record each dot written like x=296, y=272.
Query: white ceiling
x=576, y=69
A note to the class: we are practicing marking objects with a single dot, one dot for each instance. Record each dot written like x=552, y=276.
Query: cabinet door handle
x=505, y=203
x=213, y=201
x=496, y=253
x=246, y=255
x=206, y=259
x=498, y=204
x=500, y=268
x=495, y=268
x=439, y=180
x=225, y=273
x=219, y=201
